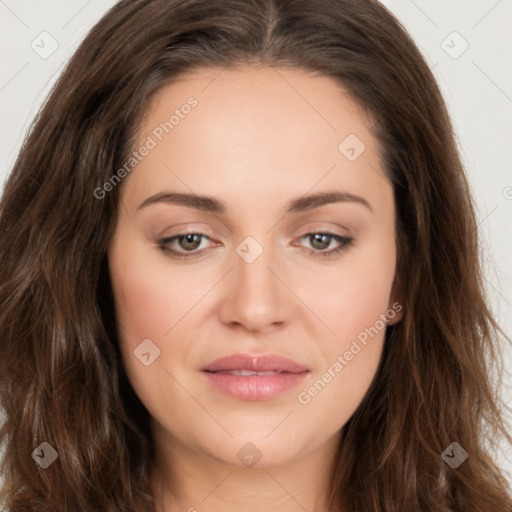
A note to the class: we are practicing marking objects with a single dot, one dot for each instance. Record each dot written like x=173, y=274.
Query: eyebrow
x=212, y=205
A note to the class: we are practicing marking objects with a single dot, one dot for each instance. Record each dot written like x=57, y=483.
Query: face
x=256, y=224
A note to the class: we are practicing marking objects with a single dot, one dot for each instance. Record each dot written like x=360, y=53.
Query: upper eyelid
x=311, y=230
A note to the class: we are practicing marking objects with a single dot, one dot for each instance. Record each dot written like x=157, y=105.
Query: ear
x=396, y=306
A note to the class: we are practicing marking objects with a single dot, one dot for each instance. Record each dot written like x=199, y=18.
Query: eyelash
x=344, y=242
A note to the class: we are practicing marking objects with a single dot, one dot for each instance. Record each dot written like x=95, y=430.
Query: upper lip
x=257, y=363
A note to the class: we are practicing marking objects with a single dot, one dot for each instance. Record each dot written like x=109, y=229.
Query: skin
x=258, y=138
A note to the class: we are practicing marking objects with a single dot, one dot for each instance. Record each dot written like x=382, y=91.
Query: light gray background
x=476, y=83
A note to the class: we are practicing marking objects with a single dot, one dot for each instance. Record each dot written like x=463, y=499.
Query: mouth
x=258, y=363
x=256, y=378
x=247, y=372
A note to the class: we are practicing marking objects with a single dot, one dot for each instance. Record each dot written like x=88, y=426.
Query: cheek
x=148, y=303
x=354, y=295
x=349, y=361
x=146, y=309
x=354, y=303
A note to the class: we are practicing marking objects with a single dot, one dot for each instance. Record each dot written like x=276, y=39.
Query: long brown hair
x=62, y=382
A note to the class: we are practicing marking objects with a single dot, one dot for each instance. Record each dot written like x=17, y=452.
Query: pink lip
x=262, y=363
x=254, y=387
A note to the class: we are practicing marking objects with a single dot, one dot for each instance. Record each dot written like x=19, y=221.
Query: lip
x=258, y=363
x=287, y=375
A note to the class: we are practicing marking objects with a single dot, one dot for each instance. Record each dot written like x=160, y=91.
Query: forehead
x=251, y=128
x=262, y=100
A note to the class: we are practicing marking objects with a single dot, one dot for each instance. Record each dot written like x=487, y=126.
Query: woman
x=324, y=343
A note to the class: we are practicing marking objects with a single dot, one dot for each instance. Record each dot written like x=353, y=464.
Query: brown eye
x=190, y=241
x=319, y=242
x=183, y=245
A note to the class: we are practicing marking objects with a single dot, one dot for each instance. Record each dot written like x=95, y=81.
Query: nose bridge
x=253, y=262
x=255, y=297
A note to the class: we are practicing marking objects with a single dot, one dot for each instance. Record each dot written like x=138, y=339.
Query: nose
x=254, y=294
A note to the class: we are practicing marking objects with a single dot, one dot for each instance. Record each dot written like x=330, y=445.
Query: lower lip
x=255, y=387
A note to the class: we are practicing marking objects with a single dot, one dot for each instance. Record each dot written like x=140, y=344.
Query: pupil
x=319, y=238
x=190, y=238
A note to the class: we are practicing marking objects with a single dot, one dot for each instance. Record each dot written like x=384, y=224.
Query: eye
x=320, y=241
x=187, y=245
x=189, y=242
